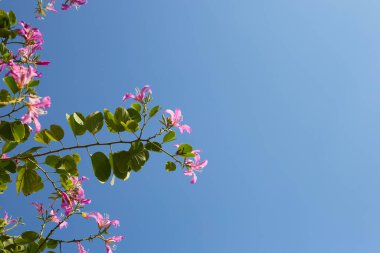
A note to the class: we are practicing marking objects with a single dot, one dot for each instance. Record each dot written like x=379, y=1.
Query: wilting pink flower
x=31, y=35
x=112, y=239
x=40, y=207
x=8, y=220
x=102, y=221
x=194, y=166
x=176, y=118
x=36, y=108
x=75, y=3
x=74, y=196
x=80, y=248
x=54, y=218
x=22, y=75
x=140, y=95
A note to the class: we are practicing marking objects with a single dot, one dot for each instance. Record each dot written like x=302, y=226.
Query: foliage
x=40, y=166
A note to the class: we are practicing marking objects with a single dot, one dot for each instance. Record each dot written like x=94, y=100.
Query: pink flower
x=22, y=75
x=40, y=208
x=194, y=166
x=112, y=239
x=80, y=248
x=31, y=35
x=140, y=95
x=27, y=53
x=50, y=6
x=4, y=156
x=102, y=221
x=54, y=218
x=36, y=108
x=8, y=220
x=175, y=120
x=66, y=203
x=42, y=63
x=74, y=196
x=75, y=3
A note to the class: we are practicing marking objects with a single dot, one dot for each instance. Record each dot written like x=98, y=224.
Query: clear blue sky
x=283, y=97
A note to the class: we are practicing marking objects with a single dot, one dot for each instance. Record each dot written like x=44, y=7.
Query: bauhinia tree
x=59, y=169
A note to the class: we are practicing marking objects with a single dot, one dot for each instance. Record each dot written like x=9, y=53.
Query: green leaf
x=5, y=96
x=131, y=126
x=66, y=182
x=53, y=161
x=110, y=121
x=33, y=83
x=32, y=247
x=3, y=49
x=154, y=146
x=9, y=146
x=4, y=180
x=119, y=163
x=5, y=32
x=27, y=133
x=6, y=131
x=42, y=243
x=101, y=166
x=30, y=236
x=154, y=111
x=76, y=158
x=136, y=106
x=170, y=166
x=8, y=165
x=121, y=116
x=12, y=18
x=94, y=122
x=10, y=82
x=184, y=149
x=18, y=131
x=170, y=136
x=55, y=133
x=28, y=181
x=76, y=122
x=134, y=115
x=138, y=156
x=42, y=137
x=52, y=244
x=70, y=165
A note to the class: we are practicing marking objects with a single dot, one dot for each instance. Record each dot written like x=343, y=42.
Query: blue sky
x=282, y=96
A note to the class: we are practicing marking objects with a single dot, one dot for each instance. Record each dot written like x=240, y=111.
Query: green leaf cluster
x=7, y=20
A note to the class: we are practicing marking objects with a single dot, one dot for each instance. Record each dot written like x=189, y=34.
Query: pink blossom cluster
x=7, y=220
x=74, y=197
x=21, y=68
x=27, y=54
x=52, y=216
x=49, y=6
x=139, y=95
x=109, y=244
x=174, y=120
x=103, y=223
x=76, y=3
x=72, y=200
x=36, y=108
x=194, y=165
